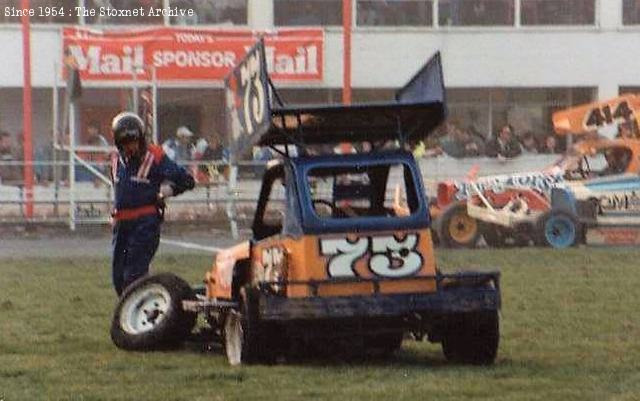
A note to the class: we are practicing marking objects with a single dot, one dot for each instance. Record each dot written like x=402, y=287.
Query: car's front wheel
x=243, y=339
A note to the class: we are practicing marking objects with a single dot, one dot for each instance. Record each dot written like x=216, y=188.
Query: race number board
x=590, y=117
x=248, y=108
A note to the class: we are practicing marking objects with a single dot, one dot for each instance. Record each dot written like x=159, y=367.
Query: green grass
x=570, y=330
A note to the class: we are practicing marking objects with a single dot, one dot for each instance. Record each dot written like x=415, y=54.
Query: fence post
x=231, y=200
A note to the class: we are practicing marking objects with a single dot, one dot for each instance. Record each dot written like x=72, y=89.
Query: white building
x=504, y=61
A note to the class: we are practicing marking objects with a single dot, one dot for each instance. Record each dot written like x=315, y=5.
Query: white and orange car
x=516, y=207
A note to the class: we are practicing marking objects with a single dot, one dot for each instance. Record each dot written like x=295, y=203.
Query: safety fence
x=222, y=194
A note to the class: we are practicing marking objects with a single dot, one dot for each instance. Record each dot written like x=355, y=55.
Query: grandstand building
x=505, y=61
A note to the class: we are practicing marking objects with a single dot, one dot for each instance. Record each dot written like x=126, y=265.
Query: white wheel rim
x=145, y=309
x=233, y=334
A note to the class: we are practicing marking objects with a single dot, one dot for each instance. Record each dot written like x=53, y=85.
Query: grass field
x=570, y=331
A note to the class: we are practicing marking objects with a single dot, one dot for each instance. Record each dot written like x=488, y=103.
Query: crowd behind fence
x=211, y=199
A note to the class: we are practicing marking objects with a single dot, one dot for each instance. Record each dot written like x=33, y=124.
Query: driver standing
x=142, y=177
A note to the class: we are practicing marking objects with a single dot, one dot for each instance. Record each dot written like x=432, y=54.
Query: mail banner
x=182, y=54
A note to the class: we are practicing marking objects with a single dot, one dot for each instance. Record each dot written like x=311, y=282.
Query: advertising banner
x=184, y=54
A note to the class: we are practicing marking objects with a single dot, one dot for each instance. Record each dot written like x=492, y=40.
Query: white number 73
x=389, y=257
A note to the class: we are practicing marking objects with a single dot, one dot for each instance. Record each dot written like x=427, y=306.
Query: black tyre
x=494, y=236
x=472, y=338
x=149, y=314
x=558, y=230
x=456, y=229
x=501, y=237
x=243, y=337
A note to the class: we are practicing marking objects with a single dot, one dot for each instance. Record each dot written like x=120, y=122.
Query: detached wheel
x=242, y=336
x=472, y=338
x=149, y=315
x=558, y=230
x=456, y=229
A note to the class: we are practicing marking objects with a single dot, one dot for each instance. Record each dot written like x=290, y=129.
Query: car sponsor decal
x=620, y=201
x=540, y=181
x=388, y=256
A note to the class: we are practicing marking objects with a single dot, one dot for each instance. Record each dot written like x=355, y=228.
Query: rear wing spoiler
x=590, y=117
x=256, y=115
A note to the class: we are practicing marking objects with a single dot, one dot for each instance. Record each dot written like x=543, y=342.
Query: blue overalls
x=137, y=215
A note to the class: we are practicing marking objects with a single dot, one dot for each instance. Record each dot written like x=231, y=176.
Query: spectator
x=529, y=143
x=261, y=155
x=460, y=143
x=95, y=159
x=214, y=149
x=43, y=153
x=95, y=138
x=420, y=150
x=180, y=149
x=8, y=172
x=504, y=145
x=208, y=151
x=550, y=145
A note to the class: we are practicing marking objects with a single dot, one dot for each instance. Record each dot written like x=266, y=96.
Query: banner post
x=346, y=53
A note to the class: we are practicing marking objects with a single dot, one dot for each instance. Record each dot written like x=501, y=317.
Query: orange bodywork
x=589, y=117
x=302, y=260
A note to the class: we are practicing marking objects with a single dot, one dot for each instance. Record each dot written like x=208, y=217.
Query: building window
x=629, y=90
x=124, y=12
x=307, y=12
x=476, y=12
x=631, y=12
x=482, y=112
x=211, y=12
x=46, y=11
x=394, y=13
x=557, y=12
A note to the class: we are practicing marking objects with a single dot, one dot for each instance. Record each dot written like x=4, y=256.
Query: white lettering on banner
x=182, y=58
x=304, y=62
x=95, y=62
x=192, y=38
x=390, y=257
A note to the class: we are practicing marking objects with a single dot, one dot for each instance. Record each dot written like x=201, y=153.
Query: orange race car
x=333, y=259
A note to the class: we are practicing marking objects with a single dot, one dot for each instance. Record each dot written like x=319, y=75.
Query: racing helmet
x=127, y=127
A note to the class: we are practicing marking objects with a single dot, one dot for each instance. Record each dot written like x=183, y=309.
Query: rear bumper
x=458, y=293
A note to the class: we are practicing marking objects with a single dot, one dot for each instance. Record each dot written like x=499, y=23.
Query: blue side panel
x=312, y=224
x=623, y=183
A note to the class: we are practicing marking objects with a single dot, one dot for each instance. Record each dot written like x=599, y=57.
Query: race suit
x=138, y=213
